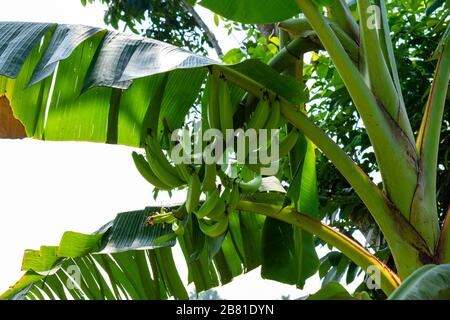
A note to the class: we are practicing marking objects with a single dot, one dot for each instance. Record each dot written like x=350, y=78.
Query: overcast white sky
x=47, y=188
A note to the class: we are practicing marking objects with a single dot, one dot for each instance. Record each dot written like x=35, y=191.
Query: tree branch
x=209, y=34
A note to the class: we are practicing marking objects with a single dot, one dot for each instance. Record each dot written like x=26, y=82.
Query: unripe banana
x=257, y=121
x=160, y=165
x=219, y=209
x=181, y=212
x=261, y=114
x=214, y=229
x=274, y=117
x=146, y=172
x=272, y=123
x=193, y=193
x=209, y=180
x=181, y=168
x=212, y=199
x=233, y=200
x=213, y=105
x=288, y=143
x=183, y=171
x=252, y=185
x=226, y=108
x=178, y=228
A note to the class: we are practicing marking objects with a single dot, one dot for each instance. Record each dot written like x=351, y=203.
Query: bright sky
x=48, y=188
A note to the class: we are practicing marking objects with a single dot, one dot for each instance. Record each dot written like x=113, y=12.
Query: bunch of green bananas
x=221, y=198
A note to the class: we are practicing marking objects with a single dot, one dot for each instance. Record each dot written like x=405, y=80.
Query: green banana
x=261, y=114
x=160, y=165
x=181, y=212
x=288, y=143
x=272, y=122
x=183, y=171
x=214, y=229
x=233, y=200
x=193, y=193
x=274, y=117
x=212, y=199
x=165, y=238
x=213, y=105
x=257, y=121
x=146, y=172
x=225, y=106
x=219, y=209
x=285, y=146
x=209, y=180
x=252, y=185
x=181, y=168
x=178, y=228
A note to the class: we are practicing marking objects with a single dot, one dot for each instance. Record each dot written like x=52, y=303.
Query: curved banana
x=261, y=114
x=288, y=143
x=213, y=104
x=209, y=180
x=183, y=171
x=193, y=194
x=214, y=228
x=146, y=172
x=252, y=185
x=181, y=168
x=212, y=199
x=181, y=212
x=274, y=117
x=272, y=122
x=225, y=106
x=219, y=209
x=160, y=165
x=178, y=228
x=233, y=200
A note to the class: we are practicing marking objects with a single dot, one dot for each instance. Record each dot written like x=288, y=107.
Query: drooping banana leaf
x=127, y=232
x=70, y=82
x=129, y=259
x=431, y=282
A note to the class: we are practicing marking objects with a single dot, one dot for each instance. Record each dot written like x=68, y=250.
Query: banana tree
x=65, y=82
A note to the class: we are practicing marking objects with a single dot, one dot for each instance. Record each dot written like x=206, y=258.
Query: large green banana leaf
x=288, y=253
x=431, y=282
x=253, y=11
x=70, y=82
x=127, y=259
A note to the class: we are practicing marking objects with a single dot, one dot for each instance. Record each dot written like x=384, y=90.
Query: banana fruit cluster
x=221, y=191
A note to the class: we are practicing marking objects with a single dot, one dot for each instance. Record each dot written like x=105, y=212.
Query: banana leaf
x=70, y=82
x=431, y=282
x=128, y=259
x=253, y=11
